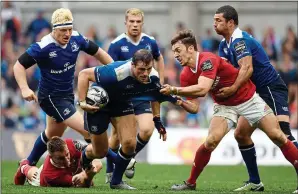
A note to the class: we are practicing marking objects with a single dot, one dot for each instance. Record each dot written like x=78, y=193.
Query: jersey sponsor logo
x=66, y=111
x=216, y=81
x=77, y=145
x=74, y=47
x=148, y=47
x=124, y=49
x=130, y=86
x=207, y=66
x=240, y=47
x=52, y=54
x=93, y=128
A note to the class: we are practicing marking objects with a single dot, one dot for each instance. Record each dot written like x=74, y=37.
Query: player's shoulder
x=122, y=69
x=44, y=42
x=153, y=73
x=146, y=36
x=119, y=38
x=240, y=35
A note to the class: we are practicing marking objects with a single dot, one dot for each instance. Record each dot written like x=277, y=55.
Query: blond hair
x=61, y=16
x=135, y=12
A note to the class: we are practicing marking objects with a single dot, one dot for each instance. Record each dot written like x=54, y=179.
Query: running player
x=56, y=56
x=206, y=72
x=244, y=52
x=122, y=49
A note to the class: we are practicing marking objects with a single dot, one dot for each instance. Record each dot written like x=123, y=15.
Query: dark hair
x=229, y=13
x=56, y=144
x=143, y=55
x=186, y=37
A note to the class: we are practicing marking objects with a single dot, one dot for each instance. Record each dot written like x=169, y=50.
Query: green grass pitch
x=159, y=178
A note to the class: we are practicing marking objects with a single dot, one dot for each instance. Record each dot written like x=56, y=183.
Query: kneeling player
x=61, y=167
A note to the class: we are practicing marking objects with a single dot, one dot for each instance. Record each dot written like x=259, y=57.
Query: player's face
x=62, y=35
x=181, y=53
x=220, y=24
x=61, y=159
x=134, y=24
x=141, y=71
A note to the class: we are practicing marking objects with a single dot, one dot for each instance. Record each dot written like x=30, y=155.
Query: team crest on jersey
x=148, y=47
x=207, y=65
x=74, y=47
x=240, y=47
x=52, y=54
x=124, y=49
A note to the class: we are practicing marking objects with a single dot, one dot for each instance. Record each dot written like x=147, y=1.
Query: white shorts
x=253, y=110
x=36, y=178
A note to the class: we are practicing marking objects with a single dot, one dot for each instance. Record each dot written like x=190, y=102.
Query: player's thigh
x=100, y=144
x=53, y=128
x=243, y=129
x=218, y=128
x=269, y=124
x=126, y=128
x=76, y=122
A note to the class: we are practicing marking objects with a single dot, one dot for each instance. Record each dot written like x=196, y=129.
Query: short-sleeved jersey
x=52, y=176
x=243, y=44
x=57, y=63
x=223, y=73
x=118, y=80
x=123, y=48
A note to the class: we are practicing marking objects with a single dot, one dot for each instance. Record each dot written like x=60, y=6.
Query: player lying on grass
x=61, y=167
x=205, y=73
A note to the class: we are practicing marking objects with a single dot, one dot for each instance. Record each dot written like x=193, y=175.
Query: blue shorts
x=140, y=107
x=276, y=96
x=59, y=108
x=98, y=122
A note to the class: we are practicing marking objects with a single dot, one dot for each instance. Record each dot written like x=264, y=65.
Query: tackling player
x=123, y=81
x=61, y=167
x=122, y=49
x=205, y=72
x=56, y=56
x=244, y=52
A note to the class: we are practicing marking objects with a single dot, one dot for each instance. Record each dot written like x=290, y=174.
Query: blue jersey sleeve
x=241, y=48
x=113, y=51
x=34, y=51
x=83, y=41
x=155, y=49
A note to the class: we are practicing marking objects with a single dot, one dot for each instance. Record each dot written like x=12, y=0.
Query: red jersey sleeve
x=184, y=77
x=59, y=180
x=209, y=68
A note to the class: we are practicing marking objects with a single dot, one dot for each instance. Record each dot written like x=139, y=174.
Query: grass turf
x=159, y=178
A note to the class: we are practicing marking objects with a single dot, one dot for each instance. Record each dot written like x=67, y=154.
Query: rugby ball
x=97, y=96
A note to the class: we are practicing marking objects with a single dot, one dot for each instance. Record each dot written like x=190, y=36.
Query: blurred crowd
x=20, y=115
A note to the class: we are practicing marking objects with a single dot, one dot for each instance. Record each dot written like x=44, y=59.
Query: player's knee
x=241, y=137
x=146, y=133
x=212, y=142
x=129, y=145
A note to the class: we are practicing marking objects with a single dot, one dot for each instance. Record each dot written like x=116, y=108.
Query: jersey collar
x=131, y=41
x=236, y=31
x=197, y=62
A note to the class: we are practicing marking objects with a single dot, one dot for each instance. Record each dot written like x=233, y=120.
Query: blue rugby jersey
x=117, y=79
x=123, y=48
x=243, y=44
x=57, y=63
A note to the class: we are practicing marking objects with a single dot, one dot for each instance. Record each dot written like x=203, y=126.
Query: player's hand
x=87, y=107
x=78, y=180
x=28, y=95
x=179, y=100
x=226, y=92
x=168, y=90
x=160, y=128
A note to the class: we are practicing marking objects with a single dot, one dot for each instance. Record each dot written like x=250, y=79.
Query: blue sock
x=39, y=148
x=122, y=161
x=86, y=162
x=111, y=158
x=140, y=144
x=250, y=159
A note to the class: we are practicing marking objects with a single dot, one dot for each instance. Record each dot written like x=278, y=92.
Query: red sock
x=26, y=169
x=290, y=152
x=201, y=160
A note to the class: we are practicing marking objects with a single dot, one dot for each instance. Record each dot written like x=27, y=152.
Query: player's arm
x=84, y=77
x=157, y=122
x=244, y=59
x=103, y=56
x=113, y=51
x=19, y=69
x=191, y=106
x=194, y=91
